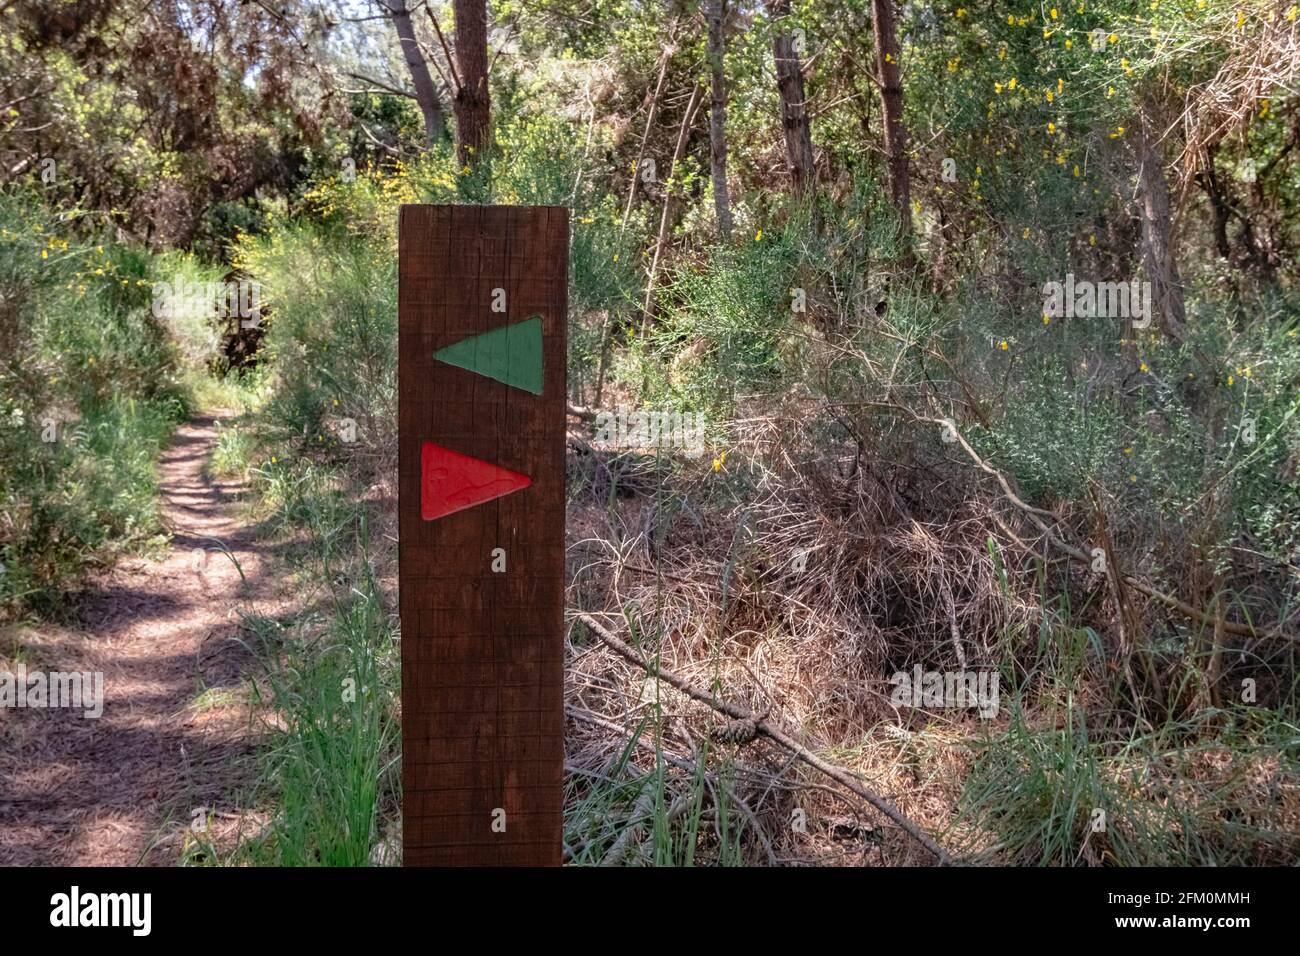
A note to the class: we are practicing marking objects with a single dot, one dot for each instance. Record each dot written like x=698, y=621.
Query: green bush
x=89, y=395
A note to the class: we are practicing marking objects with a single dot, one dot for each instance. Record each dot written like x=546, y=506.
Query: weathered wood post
x=482, y=311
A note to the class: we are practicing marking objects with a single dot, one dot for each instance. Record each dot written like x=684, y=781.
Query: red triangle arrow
x=450, y=481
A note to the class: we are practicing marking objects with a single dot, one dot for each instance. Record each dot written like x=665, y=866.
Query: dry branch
x=1168, y=600
x=765, y=729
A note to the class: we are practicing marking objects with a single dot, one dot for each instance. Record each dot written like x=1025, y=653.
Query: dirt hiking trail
x=175, y=734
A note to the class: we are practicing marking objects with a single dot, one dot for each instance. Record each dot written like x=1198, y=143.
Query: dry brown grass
x=702, y=567
x=1259, y=65
x=796, y=599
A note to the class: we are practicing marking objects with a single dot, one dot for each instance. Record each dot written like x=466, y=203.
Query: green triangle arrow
x=510, y=354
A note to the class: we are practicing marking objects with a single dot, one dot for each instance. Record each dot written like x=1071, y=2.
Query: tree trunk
x=1225, y=208
x=473, y=103
x=1158, y=259
x=891, y=96
x=794, y=112
x=715, y=11
x=426, y=94
x=671, y=202
x=947, y=240
x=651, y=112
x=1208, y=179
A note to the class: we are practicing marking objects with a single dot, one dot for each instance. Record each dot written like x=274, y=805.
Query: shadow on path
x=175, y=734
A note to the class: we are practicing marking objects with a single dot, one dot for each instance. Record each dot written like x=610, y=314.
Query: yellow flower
x=1003, y=346
x=1069, y=44
x=758, y=236
x=1025, y=234
x=1076, y=169
x=1143, y=368
x=1047, y=319
x=1092, y=240
x=1112, y=38
x=1229, y=379
x=1128, y=450
x=1012, y=84
x=1050, y=96
x=997, y=88
x=1290, y=15
x=1053, y=13
x=1011, y=21
x=1110, y=91
x=1241, y=18
x=719, y=461
x=44, y=254
x=1060, y=85
x=961, y=11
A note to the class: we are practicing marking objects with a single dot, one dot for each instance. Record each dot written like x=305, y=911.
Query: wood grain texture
x=482, y=652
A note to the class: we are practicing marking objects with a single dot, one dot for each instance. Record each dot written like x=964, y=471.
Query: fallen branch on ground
x=765, y=729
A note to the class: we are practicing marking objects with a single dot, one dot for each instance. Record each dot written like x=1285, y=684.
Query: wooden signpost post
x=482, y=311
